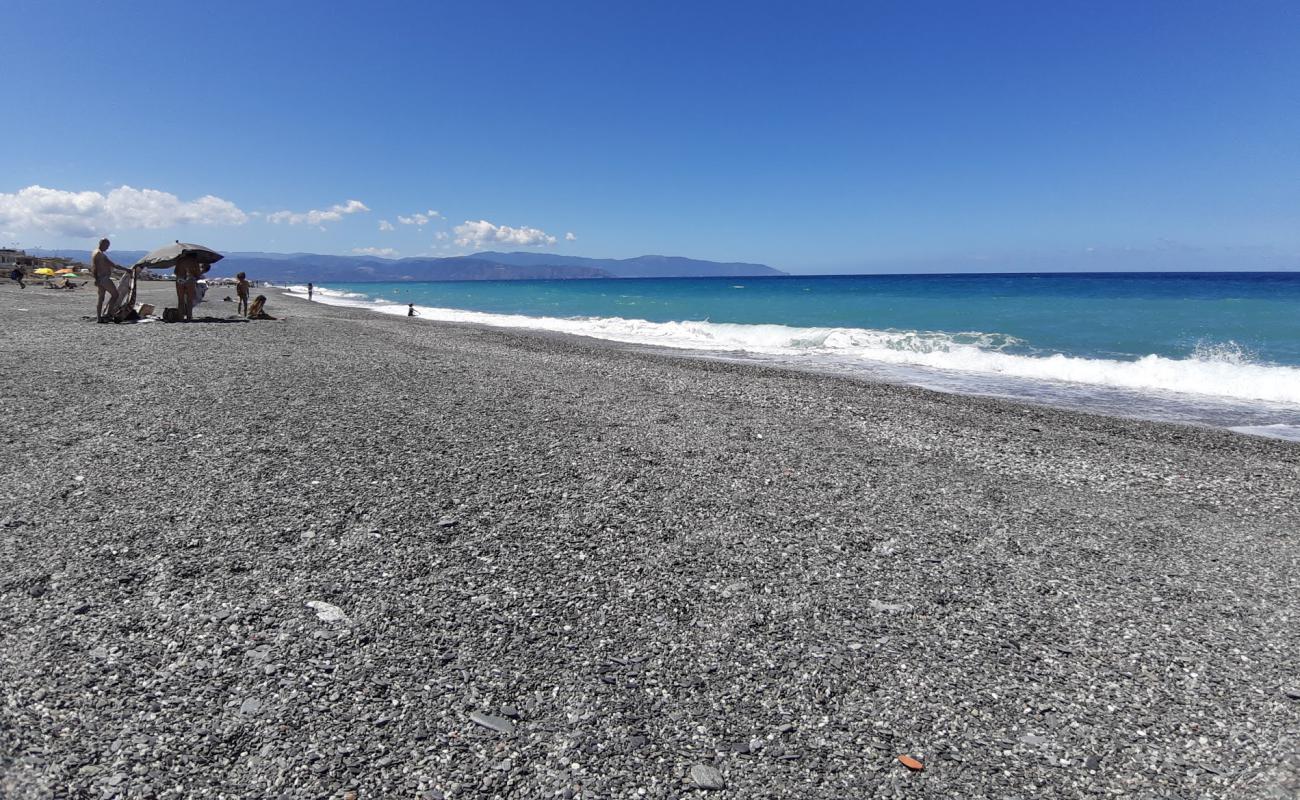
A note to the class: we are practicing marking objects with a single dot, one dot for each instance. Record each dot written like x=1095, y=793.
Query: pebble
x=499, y=724
x=888, y=608
x=704, y=776
x=327, y=612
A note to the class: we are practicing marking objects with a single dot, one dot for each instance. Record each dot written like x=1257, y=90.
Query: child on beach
x=241, y=289
x=257, y=310
x=17, y=275
x=410, y=310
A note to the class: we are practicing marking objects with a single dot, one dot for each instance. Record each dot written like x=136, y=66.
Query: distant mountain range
x=639, y=267
x=486, y=266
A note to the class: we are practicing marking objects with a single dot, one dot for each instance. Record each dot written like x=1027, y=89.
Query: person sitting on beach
x=410, y=310
x=257, y=310
x=241, y=289
x=17, y=275
x=101, y=266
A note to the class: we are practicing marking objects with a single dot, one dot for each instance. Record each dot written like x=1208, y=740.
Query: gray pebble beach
x=347, y=555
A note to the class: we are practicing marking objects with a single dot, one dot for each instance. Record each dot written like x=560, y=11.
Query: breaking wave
x=1215, y=370
x=327, y=294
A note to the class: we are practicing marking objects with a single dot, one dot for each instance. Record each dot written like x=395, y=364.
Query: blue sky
x=813, y=136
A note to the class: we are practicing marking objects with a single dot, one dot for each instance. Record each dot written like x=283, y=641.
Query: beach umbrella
x=43, y=271
x=168, y=255
x=64, y=271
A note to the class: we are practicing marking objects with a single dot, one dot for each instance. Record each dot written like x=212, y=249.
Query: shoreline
x=1250, y=418
x=564, y=564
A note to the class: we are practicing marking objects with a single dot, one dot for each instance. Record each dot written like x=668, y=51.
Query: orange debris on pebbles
x=911, y=763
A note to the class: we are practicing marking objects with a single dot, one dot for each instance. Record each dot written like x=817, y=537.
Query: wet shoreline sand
x=637, y=563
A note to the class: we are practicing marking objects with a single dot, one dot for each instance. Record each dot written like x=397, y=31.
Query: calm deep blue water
x=1223, y=347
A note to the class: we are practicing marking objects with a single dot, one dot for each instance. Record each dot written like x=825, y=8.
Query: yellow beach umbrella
x=43, y=271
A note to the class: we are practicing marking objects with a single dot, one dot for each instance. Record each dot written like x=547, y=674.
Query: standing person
x=241, y=289
x=310, y=289
x=101, y=266
x=187, y=281
x=17, y=274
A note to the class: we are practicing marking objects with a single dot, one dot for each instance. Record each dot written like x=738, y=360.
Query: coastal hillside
x=639, y=267
x=350, y=269
x=486, y=266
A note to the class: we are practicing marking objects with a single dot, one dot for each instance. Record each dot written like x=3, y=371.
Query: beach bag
x=126, y=314
x=171, y=315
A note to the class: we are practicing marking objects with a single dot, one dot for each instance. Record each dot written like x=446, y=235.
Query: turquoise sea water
x=1221, y=348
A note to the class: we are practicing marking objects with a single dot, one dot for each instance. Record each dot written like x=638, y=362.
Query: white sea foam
x=323, y=292
x=1275, y=431
x=1214, y=371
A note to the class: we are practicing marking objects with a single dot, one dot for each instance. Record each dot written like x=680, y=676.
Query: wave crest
x=321, y=291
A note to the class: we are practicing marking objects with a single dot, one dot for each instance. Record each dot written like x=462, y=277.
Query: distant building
x=16, y=258
x=60, y=263
x=10, y=258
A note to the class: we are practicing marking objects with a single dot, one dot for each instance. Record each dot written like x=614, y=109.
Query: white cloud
x=481, y=233
x=419, y=219
x=569, y=237
x=382, y=252
x=385, y=225
x=37, y=208
x=440, y=235
x=315, y=217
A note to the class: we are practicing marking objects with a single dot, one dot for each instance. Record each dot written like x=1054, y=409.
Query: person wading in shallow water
x=101, y=266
